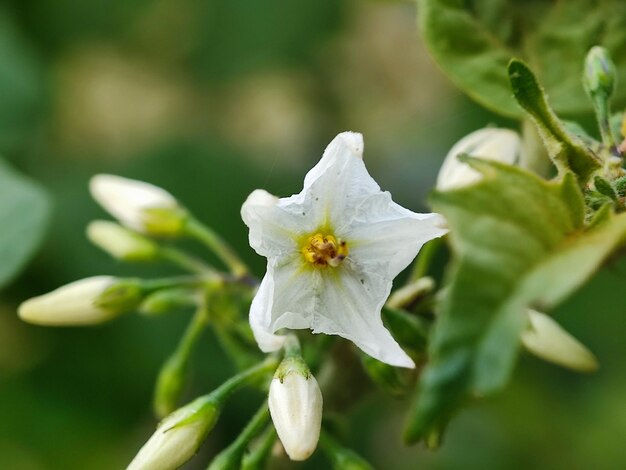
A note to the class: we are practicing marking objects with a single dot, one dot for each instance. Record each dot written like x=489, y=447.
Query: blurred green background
x=210, y=100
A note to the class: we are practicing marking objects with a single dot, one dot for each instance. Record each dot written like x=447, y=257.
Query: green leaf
x=566, y=151
x=473, y=40
x=24, y=210
x=518, y=241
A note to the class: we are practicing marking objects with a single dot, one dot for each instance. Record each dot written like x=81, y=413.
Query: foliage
x=24, y=212
x=473, y=41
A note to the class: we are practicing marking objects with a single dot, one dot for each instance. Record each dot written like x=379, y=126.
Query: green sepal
x=565, y=150
x=123, y=296
x=605, y=188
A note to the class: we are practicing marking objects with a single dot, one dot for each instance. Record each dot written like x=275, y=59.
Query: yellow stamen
x=324, y=250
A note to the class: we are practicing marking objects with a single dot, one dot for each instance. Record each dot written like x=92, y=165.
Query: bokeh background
x=210, y=100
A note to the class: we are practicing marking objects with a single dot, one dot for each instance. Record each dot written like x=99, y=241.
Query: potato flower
x=332, y=253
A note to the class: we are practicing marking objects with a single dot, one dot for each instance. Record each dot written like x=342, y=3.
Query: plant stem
x=186, y=261
x=255, y=460
x=231, y=456
x=266, y=367
x=215, y=243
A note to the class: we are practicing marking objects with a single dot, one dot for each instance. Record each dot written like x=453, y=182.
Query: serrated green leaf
x=518, y=241
x=473, y=40
x=567, y=152
x=24, y=210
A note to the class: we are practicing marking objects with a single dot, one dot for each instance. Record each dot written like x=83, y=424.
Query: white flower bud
x=72, y=304
x=295, y=403
x=177, y=437
x=502, y=145
x=140, y=206
x=546, y=339
x=120, y=242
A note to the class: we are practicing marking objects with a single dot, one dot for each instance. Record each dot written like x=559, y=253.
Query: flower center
x=324, y=250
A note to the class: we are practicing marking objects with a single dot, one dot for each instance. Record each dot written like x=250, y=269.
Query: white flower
x=546, y=339
x=140, y=206
x=72, y=304
x=502, y=145
x=333, y=251
x=120, y=242
x=295, y=404
x=177, y=437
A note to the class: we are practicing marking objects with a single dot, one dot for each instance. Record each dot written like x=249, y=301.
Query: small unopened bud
x=501, y=145
x=295, y=403
x=120, y=242
x=169, y=385
x=546, y=339
x=140, y=206
x=77, y=303
x=599, y=76
x=178, y=436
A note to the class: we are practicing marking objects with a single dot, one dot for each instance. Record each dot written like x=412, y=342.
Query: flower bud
x=169, y=385
x=178, y=436
x=599, y=76
x=77, y=303
x=140, y=206
x=546, y=339
x=295, y=403
x=120, y=242
x=501, y=145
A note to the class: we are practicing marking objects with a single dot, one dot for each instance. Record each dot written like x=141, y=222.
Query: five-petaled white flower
x=332, y=252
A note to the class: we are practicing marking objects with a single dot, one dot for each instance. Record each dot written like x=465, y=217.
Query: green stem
x=214, y=242
x=186, y=261
x=151, y=285
x=603, y=116
x=250, y=375
x=171, y=379
x=195, y=328
x=292, y=346
x=255, y=460
x=231, y=456
x=425, y=259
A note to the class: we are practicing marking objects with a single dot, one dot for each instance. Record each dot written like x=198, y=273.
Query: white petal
x=126, y=199
x=345, y=303
x=260, y=318
x=384, y=237
x=343, y=147
x=286, y=298
x=546, y=339
x=502, y=145
x=350, y=307
x=72, y=304
x=272, y=229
